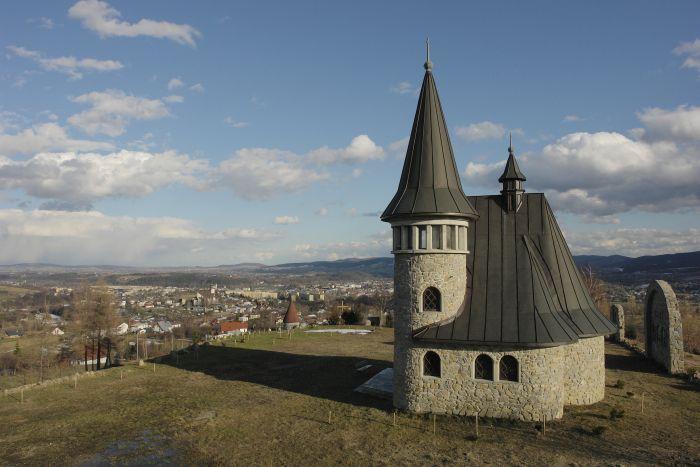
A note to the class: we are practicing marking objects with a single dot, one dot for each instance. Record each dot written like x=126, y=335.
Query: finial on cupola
x=428, y=65
x=512, y=180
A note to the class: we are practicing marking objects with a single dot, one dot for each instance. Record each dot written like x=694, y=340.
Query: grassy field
x=268, y=402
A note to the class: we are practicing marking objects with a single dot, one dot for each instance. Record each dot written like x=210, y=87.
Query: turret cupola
x=512, y=180
x=429, y=210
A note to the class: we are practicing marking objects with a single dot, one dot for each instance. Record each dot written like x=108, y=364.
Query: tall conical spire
x=512, y=180
x=430, y=183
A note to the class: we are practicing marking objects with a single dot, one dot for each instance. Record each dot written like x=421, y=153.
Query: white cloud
x=175, y=83
x=634, y=242
x=481, y=130
x=600, y=174
x=197, y=87
x=84, y=178
x=680, y=124
x=96, y=238
x=174, y=99
x=286, y=220
x=45, y=137
x=321, y=212
x=360, y=150
x=573, y=118
x=100, y=17
x=692, y=52
x=235, y=123
x=71, y=66
x=42, y=22
x=259, y=173
x=111, y=111
x=404, y=87
x=374, y=245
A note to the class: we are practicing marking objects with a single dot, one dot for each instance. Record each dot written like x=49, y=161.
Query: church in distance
x=491, y=315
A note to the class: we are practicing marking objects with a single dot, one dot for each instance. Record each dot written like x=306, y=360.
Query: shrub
x=631, y=331
x=616, y=414
x=620, y=384
x=599, y=430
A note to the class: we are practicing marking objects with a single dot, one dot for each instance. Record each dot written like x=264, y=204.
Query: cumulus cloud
x=45, y=137
x=175, y=83
x=607, y=173
x=100, y=17
x=360, y=150
x=679, y=124
x=198, y=87
x=691, y=51
x=83, y=178
x=286, y=220
x=634, y=242
x=481, y=131
x=259, y=173
x=404, y=87
x=95, y=238
x=111, y=110
x=71, y=66
x=374, y=245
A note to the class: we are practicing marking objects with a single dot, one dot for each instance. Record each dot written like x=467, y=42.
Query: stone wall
x=617, y=315
x=663, y=327
x=413, y=273
x=584, y=370
x=550, y=378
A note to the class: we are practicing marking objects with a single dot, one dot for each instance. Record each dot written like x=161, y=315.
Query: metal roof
x=523, y=287
x=511, y=171
x=429, y=183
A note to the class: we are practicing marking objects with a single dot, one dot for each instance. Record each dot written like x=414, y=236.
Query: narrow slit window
x=423, y=237
x=397, y=237
x=437, y=237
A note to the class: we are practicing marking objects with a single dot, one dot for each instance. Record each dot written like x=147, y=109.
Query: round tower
x=429, y=217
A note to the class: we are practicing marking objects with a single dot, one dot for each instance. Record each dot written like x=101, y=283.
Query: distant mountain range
x=613, y=267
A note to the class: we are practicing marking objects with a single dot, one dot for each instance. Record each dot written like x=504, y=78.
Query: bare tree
x=597, y=288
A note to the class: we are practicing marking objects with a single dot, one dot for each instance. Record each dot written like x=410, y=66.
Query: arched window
x=431, y=299
x=483, y=367
x=508, y=368
x=431, y=364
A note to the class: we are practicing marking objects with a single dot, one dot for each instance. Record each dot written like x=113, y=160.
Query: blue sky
x=181, y=133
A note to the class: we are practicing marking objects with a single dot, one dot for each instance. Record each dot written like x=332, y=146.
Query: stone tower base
x=549, y=379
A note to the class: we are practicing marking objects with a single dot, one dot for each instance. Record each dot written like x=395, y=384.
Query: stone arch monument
x=617, y=315
x=663, y=327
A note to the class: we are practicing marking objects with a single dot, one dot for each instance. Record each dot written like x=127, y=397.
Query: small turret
x=512, y=180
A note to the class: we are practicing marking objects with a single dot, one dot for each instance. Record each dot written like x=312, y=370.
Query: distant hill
x=617, y=268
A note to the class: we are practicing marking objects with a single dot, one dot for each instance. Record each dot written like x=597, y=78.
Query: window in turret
x=431, y=364
x=451, y=237
x=423, y=237
x=397, y=237
x=483, y=367
x=508, y=368
x=437, y=236
x=431, y=299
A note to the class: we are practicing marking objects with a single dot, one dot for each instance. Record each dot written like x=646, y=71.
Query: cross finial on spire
x=428, y=64
x=510, y=142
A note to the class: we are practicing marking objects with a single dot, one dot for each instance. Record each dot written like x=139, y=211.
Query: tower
x=512, y=180
x=429, y=217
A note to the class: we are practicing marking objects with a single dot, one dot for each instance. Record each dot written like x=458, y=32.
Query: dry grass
x=267, y=402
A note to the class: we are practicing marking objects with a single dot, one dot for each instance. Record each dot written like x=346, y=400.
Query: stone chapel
x=491, y=315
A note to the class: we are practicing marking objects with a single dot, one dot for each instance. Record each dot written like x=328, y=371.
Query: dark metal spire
x=430, y=183
x=512, y=171
x=428, y=65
